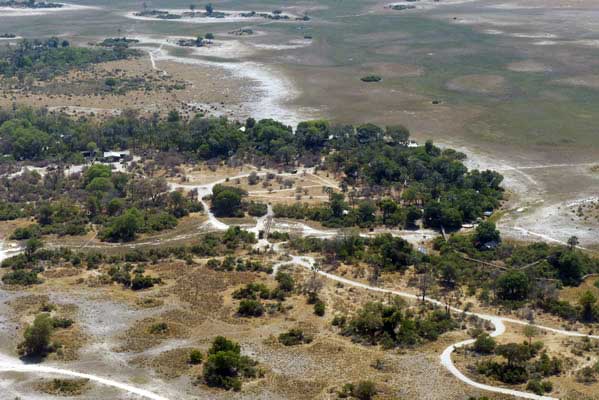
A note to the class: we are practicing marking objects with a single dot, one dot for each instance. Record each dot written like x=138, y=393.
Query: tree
x=97, y=171
x=572, y=242
x=570, y=267
x=514, y=353
x=209, y=8
x=513, y=286
x=486, y=232
x=484, y=344
x=226, y=203
x=209, y=36
x=449, y=275
x=31, y=246
x=124, y=227
x=587, y=302
x=226, y=366
x=286, y=282
x=398, y=134
x=37, y=337
x=530, y=331
x=250, y=308
x=425, y=282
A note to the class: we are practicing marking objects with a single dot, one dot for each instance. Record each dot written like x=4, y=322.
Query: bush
x=364, y=390
x=256, y=209
x=37, y=337
x=195, y=357
x=484, y=344
x=371, y=78
x=286, y=282
x=27, y=232
x=226, y=366
x=538, y=387
x=21, y=277
x=159, y=328
x=250, y=308
x=140, y=282
x=319, y=308
x=62, y=322
x=294, y=337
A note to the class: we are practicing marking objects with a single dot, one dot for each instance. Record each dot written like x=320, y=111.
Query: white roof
x=116, y=153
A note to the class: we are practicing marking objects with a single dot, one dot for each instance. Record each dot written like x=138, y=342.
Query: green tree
x=226, y=203
x=125, y=227
x=226, y=366
x=513, y=286
x=486, y=232
x=97, y=171
x=484, y=344
x=514, y=353
x=587, y=301
x=37, y=336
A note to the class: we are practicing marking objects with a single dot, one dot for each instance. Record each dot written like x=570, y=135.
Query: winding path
x=8, y=363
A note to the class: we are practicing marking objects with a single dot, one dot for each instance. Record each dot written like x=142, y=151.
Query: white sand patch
x=233, y=16
x=589, y=81
x=528, y=66
x=493, y=32
x=8, y=250
x=513, y=6
x=546, y=43
x=292, y=44
x=587, y=42
x=428, y=4
x=480, y=20
x=273, y=91
x=24, y=12
x=541, y=35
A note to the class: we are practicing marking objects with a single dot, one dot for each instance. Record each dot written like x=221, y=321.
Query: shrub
x=252, y=291
x=141, y=281
x=371, y=78
x=27, y=232
x=286, y=282
x=195, y=357
x=21, y=277
x=37, y=337
x=226, y=366
x=319, y=308
x=364, y=390
x=250, y=308
x=62, y=322
x=294, y=337
x=538, y=387
x=484, y=344
x=256, y=209
x=159, y=328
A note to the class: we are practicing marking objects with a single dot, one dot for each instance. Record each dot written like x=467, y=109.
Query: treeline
x=513, y=275
x=415, y=178
x=45, y=59
x=122, y=204
x=383, y=252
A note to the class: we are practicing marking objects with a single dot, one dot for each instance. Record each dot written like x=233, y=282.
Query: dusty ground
x=188, y=88
x=196, y=304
